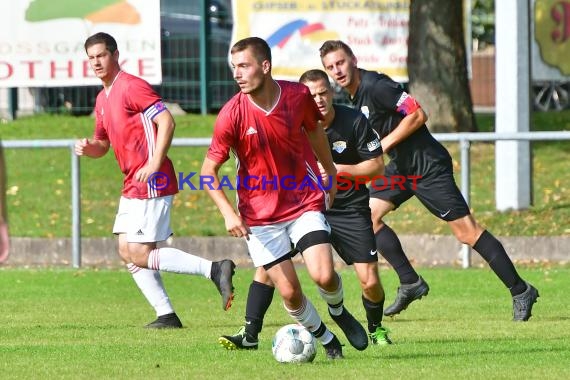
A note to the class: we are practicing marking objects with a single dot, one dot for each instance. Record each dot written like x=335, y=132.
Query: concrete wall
x=423, y=250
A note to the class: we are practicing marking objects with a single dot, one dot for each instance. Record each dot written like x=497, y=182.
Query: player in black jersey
x=414, y=152
x=357, y=155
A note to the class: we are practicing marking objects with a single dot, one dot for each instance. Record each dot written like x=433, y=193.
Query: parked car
x=180, y=52
x=180, y=31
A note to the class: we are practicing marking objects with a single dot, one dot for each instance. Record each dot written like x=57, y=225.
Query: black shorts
x=436, y=190
x=352, y=236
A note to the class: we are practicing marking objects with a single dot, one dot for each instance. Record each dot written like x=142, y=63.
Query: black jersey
x=351, y=140
x=378, y=97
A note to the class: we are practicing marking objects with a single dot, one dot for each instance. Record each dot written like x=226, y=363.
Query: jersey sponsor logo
x=373, y=145
x=365, y=111
x=140, y=233
x=339, y=146
x=251, y=131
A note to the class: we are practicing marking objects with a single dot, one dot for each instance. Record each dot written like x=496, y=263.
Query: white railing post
x=75, y=209
x=465, y=146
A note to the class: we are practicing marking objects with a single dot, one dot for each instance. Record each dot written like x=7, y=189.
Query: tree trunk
x=437, y=65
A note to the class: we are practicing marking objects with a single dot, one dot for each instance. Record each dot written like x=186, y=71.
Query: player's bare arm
x=368, y=168
x=92, y=147
x=234, y=223
x=319, y=142
x=165, y=123
x=408, y=125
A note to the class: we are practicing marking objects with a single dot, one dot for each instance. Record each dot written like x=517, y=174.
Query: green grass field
x=87, y=324
x=39, y=184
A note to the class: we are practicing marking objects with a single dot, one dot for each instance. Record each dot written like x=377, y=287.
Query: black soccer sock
x=495, y=255
x=320, y=331
x=373, y=313
x=390, y=248
x=259, y=299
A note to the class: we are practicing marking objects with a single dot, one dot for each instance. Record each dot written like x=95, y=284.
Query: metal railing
x=464, y=140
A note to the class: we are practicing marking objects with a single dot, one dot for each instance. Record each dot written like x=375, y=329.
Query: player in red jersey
x=356, y=152
x=268, y=126
x=131, y=117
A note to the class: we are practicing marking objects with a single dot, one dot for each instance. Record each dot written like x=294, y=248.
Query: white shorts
x=269, y=243
x=144, y=220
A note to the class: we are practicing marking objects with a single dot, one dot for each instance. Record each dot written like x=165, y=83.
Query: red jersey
x=124, y=117
x=277, y=171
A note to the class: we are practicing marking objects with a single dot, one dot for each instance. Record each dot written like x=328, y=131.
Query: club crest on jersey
x=339, y=146
x=365, y=111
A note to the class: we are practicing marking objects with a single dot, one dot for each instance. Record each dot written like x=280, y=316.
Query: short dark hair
x=261, y=49
x=102, y=38
x=333, y=45
x=315, y=75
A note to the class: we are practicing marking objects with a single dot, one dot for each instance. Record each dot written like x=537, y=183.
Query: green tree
x=483, y=23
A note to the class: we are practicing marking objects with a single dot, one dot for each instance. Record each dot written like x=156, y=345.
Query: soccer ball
x=294, y=344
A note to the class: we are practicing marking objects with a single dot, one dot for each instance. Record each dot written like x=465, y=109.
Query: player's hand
x=331, y=193
x=4, y=242
x=329, y=183
x=81, y=146
x=144, y=173
x=322, y=170
x=237, y=227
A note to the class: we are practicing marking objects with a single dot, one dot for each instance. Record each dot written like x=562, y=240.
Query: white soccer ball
x=294, y=344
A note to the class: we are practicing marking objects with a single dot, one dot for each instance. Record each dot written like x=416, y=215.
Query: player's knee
x=377, y=221
x=379, y=208
x=377, y=224
x=138, y=255
x=466, y=230
x=124, y=253
x=370, y=282
x=374, y=296
x=370, y=285
x=140, y=261
x=292, y=297
x=376, y=215
x=327, y=279
x=467, y=236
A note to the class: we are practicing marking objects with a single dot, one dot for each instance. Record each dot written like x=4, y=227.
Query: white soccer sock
x=334, y=299
x=150, y=284
x=308, y=316
x=177, y=261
